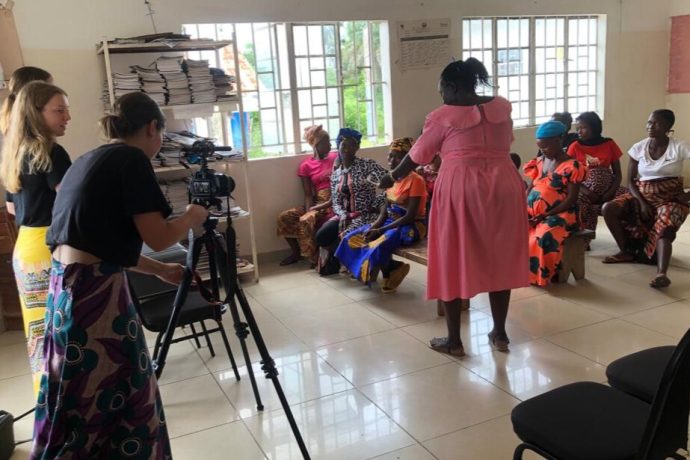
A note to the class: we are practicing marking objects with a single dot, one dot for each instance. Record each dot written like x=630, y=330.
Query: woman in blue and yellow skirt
x=31, y=170
x=369, y=248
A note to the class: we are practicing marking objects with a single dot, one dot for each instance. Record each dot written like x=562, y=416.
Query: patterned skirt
x=99, y=397
x=669, y=214
x=363, y=258
x=302, y=225
x=31, y=263
x=599, y=181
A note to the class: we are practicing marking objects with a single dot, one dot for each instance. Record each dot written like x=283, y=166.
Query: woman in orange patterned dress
x=552, y=202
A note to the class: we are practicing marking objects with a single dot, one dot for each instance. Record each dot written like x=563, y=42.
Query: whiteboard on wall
x=424, y=43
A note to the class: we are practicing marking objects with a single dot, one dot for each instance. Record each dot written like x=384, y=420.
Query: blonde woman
x=31, y=170
x=20, y=78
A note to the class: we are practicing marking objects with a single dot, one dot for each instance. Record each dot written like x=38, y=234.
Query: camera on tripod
x=206, y=186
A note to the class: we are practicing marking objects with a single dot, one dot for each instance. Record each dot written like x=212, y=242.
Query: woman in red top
x=298, y=225
x=601, y=156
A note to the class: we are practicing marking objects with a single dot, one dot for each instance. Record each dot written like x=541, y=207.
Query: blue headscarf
x=551, y=128
x=348, y=132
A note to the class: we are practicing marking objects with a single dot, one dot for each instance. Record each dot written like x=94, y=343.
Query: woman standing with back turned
x=478, y=222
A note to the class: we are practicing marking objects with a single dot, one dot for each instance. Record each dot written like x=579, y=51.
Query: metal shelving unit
x=186, y=111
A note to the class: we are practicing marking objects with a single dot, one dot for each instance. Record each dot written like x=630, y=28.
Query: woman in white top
x=645, y=220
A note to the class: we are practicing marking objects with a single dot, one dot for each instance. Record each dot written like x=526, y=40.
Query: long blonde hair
x=28, y=138
x=20, y=78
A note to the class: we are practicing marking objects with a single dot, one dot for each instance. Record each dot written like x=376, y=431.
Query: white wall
x=60, y=36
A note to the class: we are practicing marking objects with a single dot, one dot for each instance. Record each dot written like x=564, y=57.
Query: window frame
x=598, y=42
x=291, y=142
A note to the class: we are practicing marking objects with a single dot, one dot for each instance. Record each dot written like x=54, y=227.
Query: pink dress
x=478, y=224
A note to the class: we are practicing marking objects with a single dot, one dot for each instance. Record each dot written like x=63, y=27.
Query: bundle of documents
x=176, y=82
x=152, y=83
x=223, y=84
x=200, y=81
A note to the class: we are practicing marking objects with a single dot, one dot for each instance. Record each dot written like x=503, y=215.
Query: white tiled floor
x=355, y=366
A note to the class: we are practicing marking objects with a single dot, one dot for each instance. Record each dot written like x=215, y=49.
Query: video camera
x=207, y=187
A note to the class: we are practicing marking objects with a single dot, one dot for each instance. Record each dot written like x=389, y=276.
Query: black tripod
x=222, y=265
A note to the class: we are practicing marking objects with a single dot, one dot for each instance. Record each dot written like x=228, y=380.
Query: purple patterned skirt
x=98, y=396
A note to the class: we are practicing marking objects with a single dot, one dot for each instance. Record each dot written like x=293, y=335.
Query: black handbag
x=6, y=435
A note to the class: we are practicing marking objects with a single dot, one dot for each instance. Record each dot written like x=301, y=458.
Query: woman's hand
x=646, y=211
x=197, y=214
x=372, y=234
x=386, y=182
x=170, y=273
x=536, y=220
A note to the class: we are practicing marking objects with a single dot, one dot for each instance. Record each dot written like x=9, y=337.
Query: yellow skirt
x=31, y=262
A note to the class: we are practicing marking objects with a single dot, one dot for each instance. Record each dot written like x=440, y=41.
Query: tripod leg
x=208, y=340
x=227, y=348
x=241, y=333
x=196, y=339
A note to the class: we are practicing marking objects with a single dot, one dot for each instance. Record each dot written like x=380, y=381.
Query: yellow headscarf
x=314, y=134
x=402, y=145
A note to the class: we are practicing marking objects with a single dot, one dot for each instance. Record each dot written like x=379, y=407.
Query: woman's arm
x=159, y=233
x=410, y=215
x=308, y=193
x=569, y=202
x=403, y=169
x=617, y=179
x=322, y=206
x=170, y=273
x=10, y=207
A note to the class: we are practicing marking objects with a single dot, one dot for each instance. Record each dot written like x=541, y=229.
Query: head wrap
x=551, y=128
x=348, y=132
x=402, y=145
x=314, y=134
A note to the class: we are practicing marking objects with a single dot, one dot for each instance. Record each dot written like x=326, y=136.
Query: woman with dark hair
x=353, y=195
x=551, y=202
x=645, y=220
x=478, y=221
x=20, y=78
x=99, y=396
x=601, y=155
x=32, y=166
x=298, y=225
x=401, y=222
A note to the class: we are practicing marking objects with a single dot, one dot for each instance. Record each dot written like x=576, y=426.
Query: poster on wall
x=679, y=58
x=424, y=43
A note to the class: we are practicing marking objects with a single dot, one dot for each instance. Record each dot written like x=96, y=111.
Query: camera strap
x=204, y=291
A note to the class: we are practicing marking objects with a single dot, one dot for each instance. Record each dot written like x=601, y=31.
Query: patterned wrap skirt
x=669, y=214
x=598, y=180
x=99, y=397
x=302, y=225
x=31, y=263
x=362, y=258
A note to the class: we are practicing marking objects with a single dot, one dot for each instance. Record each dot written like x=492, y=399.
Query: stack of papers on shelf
x=124, y=83
x=223, y=84
x=152, y=83
x=200, y=81
x=176, y=83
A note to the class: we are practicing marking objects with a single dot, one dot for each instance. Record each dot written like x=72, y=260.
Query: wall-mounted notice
x=424, y=43
x=679, y=59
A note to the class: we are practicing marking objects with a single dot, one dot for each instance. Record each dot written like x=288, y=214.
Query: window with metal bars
x=541, y=64
x=295, y=75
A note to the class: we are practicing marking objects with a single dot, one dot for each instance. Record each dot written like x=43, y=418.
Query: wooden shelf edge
x=173, y=47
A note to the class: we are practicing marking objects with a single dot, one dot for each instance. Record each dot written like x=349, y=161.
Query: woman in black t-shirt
x=31, y=169
x=99, y=396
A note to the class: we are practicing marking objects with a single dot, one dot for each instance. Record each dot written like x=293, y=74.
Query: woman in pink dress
x=478, y=223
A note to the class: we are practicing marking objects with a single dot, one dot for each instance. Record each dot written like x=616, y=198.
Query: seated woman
x=551, y=202
x=645, y=220
x=601, y=156
x=353, y=195
x=369, y=248
x=298, y=225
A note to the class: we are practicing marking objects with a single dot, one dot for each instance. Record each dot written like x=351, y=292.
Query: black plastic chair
x=591, y=421
x=153, y=300
x=639, y=374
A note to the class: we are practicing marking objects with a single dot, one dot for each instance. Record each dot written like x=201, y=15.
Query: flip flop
x=289, y=260
x=441, y=345
x=499, y=343
x=660, y=281
x=619, y=259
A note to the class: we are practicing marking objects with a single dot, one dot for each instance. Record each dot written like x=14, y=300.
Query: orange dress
x=546, y=239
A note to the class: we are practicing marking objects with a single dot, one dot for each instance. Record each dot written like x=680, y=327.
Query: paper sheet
x=424, y=43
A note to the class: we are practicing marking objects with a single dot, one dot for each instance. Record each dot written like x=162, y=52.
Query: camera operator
x=99, y=396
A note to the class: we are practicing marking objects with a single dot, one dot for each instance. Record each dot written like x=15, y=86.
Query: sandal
x=289, y=260
x=620, y=258
x=660, y=281
x=442, y=345
x=499, y=343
